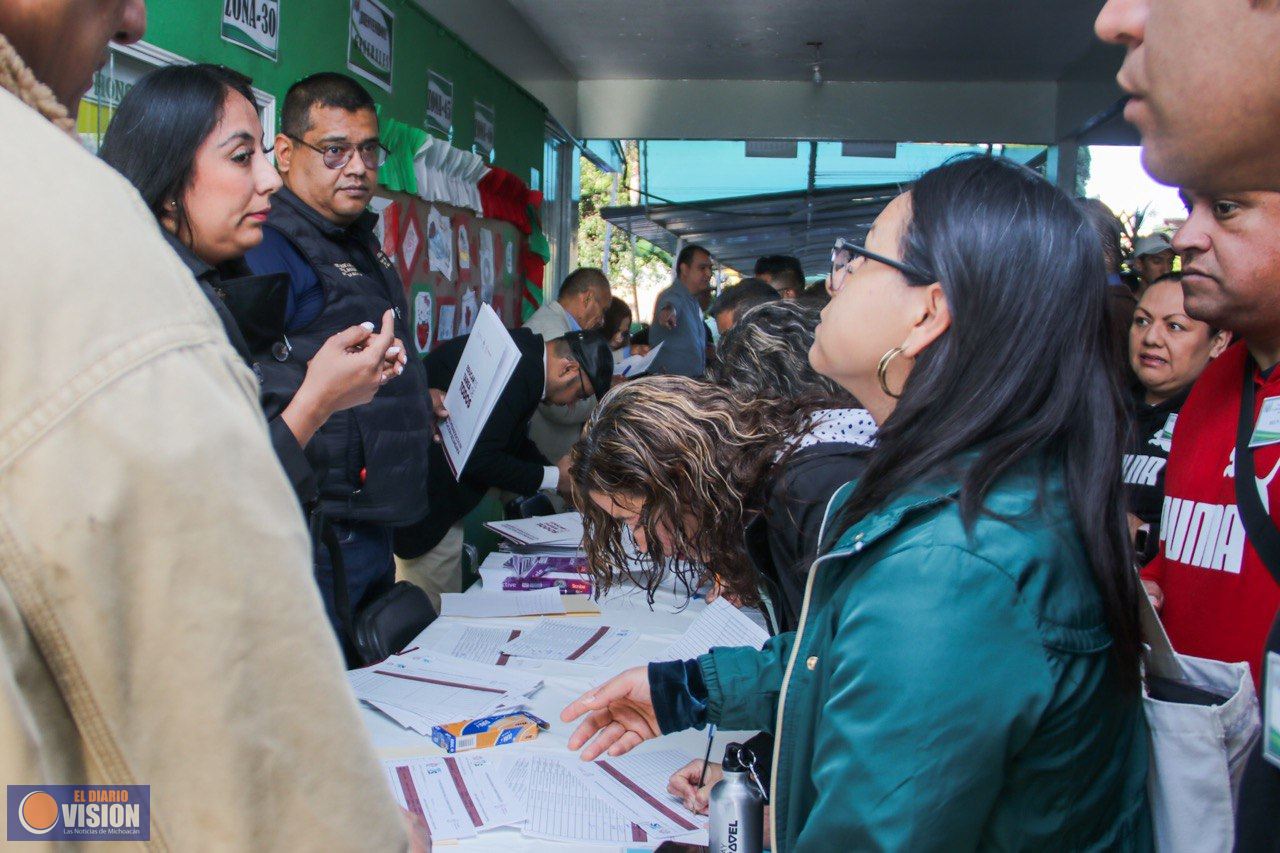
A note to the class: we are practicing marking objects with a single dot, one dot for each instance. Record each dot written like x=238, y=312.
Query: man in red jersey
x=1218, y=599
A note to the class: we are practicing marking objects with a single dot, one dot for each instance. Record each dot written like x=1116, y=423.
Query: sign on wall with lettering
x=484, y=131
x=254, y=25
x=439, y=104
x=371, y=41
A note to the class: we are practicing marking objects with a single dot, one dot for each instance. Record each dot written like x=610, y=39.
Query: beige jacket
x=554, y=429
x=158, y=620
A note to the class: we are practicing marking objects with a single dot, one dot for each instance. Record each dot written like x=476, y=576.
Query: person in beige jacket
x=158, y=621
x=580, y=304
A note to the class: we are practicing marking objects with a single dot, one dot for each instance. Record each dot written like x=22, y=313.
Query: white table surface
x=625, y=606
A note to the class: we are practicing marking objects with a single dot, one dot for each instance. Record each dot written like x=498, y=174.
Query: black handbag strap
x=1258, y=525
x=323, y=532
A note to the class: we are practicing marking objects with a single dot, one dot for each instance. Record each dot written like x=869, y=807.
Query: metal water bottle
x=737, y=805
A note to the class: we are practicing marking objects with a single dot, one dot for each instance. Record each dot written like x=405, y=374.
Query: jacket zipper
x=786, y=676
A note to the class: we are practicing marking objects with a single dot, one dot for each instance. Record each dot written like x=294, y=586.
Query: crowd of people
x=953, y=474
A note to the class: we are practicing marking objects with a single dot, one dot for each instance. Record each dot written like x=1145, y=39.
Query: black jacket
x=261, y=300
x=376, y=454
x=783, y=541
x=503, y=457
x=1147, y=455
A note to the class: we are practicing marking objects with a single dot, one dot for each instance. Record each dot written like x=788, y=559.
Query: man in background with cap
x=1152, y=259
x=559, y=372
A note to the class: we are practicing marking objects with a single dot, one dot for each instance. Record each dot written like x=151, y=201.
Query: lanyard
x=1261, y=530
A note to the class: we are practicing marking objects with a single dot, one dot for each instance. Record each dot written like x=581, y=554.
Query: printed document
x=457, y=795
x=564, y=529
x=566, y=641
x=721, y=624
x=534, y=602
x=488, y=361
x=636, y=364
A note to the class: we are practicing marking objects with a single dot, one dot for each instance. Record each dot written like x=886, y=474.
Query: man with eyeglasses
x=373, y=459
x=559, y=372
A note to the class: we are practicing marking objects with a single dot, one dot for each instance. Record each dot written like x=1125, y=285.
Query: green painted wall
x=313, y=37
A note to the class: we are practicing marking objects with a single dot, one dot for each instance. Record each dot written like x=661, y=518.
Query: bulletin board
x=450, y=262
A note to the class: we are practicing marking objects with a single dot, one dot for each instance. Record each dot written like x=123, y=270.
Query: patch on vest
x=347, y=269
x=384, y=260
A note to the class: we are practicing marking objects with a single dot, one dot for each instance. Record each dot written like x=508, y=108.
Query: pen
x=711, y=735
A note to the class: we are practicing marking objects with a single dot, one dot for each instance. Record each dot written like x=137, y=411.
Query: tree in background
x=636, y=267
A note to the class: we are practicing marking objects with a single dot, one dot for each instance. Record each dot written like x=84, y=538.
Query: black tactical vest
x=377, y=453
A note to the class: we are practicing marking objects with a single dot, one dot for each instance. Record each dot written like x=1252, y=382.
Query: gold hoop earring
x=883, y=369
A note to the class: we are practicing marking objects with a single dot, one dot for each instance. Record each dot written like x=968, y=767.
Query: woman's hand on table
x=619, y=715
x=684, y=784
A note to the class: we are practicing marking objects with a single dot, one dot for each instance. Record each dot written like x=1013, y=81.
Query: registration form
x=553, y=640
x=457, y=795
x=721, y=624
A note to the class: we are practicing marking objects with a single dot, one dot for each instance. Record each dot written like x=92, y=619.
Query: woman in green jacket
x=965, y=674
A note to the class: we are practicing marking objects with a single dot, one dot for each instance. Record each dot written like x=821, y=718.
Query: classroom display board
x=451, y=262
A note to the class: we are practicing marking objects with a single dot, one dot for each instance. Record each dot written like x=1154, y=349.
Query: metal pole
x=608, y=228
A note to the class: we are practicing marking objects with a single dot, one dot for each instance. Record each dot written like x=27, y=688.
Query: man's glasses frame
x=336, y=155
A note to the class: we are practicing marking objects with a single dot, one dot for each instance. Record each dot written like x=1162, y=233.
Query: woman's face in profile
x=618, y=338
x=231, y=186
x=869, y=312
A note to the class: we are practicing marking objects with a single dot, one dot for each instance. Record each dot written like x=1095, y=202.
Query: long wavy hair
x=766, y=354
x=696, y=457
x=1023, y=373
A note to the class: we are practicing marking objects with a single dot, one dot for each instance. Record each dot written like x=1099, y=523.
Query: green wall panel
x=313, y=37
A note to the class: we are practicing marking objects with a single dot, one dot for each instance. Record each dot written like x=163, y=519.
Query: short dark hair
x=581, y=280
x=326, y=89
x=788, y=279
x=686, y=255
x=774, y=264
x=746, y=294
x=160, y=124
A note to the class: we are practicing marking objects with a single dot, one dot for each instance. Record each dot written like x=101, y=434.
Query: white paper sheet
x=564, y=529
x=457, y=795
x=487, y=362
x=483, y=645
x=636, y=364
x=561, y=805
x=721, y=624
x=569, y=641
x=636, y=784
x=535, y=602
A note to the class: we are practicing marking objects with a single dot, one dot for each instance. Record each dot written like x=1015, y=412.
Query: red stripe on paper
x=595, y=638
x=645, y=795
x=438, y=681
x=503, y=659
x=410, y=791
x=452, y=764
x=638, y=834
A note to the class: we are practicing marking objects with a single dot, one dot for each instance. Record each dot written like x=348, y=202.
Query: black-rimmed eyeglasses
x=338, y=154
x=845, y=252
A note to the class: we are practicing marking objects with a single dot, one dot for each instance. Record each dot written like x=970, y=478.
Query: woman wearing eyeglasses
x=965, y=674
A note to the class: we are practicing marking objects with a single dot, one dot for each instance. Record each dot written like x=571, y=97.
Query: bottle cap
x=733, y=759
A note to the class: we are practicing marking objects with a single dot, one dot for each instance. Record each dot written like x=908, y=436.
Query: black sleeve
x=297, y=467
x=497, y=459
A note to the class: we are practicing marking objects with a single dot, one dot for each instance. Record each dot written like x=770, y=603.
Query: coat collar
x=883, y=521
x=363, y=225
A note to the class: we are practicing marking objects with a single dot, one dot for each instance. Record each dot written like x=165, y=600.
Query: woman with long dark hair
x=965, y=674
x=189, y=139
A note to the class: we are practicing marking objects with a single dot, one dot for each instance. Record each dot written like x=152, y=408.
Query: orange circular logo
x=38, y=812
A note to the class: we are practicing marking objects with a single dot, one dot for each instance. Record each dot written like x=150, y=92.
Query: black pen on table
x=711, y=735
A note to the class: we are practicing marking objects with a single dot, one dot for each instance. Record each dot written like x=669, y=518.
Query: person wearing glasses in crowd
x=979, y=570
x=559, y=372
x=374, y=477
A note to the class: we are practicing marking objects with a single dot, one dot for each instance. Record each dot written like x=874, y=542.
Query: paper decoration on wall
x=439, y=104
x=422, y=320
x=470, y=310
x=509, y=254
x=254, y=25
x=387, y=228
x=484, y=131
x=371, y=41
x=411, y=245
x=449, y=174
x=444, y=327
x=464, y=248
x=486, y=266
x=439, y=243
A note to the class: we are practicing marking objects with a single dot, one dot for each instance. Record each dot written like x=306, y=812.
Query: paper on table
x=562, y=529
x=478, y=644
x=457, y=795
x=536, y=602
x=636, y=784
x=561, y=805
x=636, y=364
x=721, y=624
x=488, y=361
x=592, y=644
